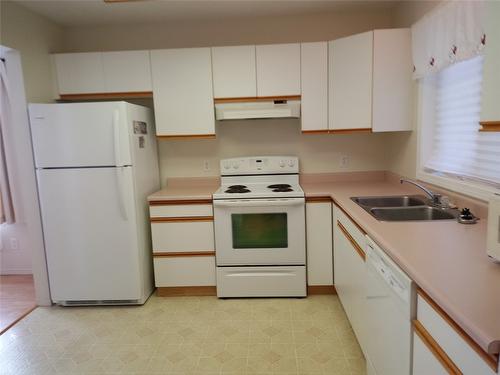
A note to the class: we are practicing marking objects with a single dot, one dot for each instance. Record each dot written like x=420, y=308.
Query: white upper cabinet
x=103, y=72
x=350, y=85
x=234, y=72
x=370, y=83
x=490, y=110
x=278, y=69
x=182, y=92
x=79, y=73
x=314, y=83
x=127, y=71
x=392, y=80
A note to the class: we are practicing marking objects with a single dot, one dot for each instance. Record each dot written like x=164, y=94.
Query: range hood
x=258, y=110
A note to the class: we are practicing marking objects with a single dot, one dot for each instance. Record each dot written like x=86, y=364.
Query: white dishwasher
x=390, y=307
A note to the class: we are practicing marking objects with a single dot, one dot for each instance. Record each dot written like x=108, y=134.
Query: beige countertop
x=446, y=259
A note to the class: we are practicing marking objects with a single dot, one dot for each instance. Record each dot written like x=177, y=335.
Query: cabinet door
x=234, y=72
x=490, y=110
x=314, y=83
x=127, y=71
x=79, y=73
x=278, y=69
x=350, y=82
x=424, y=361
x=350, y=275
x=182, y=92
x=392, y=80
x=319, y=243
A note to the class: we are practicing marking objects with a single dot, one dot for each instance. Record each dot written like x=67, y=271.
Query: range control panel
x=259, y=165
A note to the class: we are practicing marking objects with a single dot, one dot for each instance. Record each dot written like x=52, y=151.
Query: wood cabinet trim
x=350, y=131
x=349, y=216
x=319, y=131
x=324, y=199
x=173, y=291
x=183, y=254
x=353, y=242
x=489, y=126
x=107, y=95
x=256, y=99
x=185, y=136
x=321, y=289
x=180, y=202
x=181, y=219
x=491, y=360
x=435, y=349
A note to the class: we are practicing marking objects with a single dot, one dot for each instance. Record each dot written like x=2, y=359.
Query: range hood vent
x=279, y=108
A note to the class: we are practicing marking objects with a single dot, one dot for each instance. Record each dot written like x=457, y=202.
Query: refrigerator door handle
x=121, y=193
x=116, y=130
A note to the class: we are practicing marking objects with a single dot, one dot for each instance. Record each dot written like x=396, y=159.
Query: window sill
x=478, y=191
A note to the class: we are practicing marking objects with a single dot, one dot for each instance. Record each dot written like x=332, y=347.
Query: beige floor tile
x=187, y=336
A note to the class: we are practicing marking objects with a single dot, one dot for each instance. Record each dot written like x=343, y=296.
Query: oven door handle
x=260, y=203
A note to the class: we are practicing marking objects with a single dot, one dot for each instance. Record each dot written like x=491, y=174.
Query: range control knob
x=291, y=163
x=236, y=165
x=282, y=163
x=226, y=166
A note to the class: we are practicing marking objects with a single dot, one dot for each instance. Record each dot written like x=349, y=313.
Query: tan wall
x=318, y=153
x=403, y=153
x=34, y=37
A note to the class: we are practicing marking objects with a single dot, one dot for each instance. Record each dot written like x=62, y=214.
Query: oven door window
x=260, y=231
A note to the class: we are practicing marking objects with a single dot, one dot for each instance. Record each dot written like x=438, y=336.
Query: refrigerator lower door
x=68, y=135
x=90, y=235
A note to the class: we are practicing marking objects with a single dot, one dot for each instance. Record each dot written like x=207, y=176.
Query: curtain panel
x=452, y=32
x=7, y=214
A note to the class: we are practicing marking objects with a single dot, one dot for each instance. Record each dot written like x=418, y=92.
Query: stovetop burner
x=280, y=186
x=234, y=189
x=282, y=190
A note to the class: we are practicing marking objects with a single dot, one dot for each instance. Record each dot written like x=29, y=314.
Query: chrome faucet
x=435, y=198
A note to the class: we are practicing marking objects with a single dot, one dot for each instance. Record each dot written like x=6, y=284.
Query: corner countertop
x=445, y=259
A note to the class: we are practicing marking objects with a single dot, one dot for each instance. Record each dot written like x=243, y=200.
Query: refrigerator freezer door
x=80, y=134
x=90, y=234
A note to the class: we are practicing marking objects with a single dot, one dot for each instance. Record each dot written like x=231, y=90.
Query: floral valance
x=452, y=32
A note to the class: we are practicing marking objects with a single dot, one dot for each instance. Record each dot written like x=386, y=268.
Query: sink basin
x=413, y=213
x=391, y=201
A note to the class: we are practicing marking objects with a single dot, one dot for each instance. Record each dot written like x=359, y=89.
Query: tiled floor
x=186, y=335
x=17, y=297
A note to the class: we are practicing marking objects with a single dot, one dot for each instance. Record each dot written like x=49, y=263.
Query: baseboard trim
x=173, y=291
x=321, y=289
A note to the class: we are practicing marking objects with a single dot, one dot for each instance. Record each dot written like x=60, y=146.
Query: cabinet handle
x=435, y=349
x=353, y=242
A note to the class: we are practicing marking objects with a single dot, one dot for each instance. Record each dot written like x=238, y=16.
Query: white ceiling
x=97, y=12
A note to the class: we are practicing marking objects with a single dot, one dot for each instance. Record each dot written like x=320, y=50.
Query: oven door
x=260, y=232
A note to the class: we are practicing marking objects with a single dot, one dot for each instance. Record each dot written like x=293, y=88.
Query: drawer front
x=457, y=349
x=348, y=224
x=184, y=271
x=425, y=362
x=181, y=210
x=269, y=281
x=183, y=236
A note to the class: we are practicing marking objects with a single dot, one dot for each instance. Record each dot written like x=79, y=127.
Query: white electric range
x=259, y=215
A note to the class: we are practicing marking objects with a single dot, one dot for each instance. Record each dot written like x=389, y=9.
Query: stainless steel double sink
x=404, y=208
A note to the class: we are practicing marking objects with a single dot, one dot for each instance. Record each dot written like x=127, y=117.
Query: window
x=452, y=146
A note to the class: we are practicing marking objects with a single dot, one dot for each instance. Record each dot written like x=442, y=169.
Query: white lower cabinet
x=319, y=243
x=183, y=246
x=350, y=272
x=425, y=361
x=460, y=356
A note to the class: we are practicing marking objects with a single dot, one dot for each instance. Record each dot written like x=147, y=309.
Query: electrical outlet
x=14, y=244
x=344, y=161
x=206, y=165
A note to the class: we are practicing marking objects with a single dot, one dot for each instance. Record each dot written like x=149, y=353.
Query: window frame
x=425, y=127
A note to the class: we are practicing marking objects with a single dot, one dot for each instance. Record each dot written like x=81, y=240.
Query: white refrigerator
x=96, y=164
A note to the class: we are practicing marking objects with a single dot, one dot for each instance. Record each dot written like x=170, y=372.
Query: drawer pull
x=353, y=242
